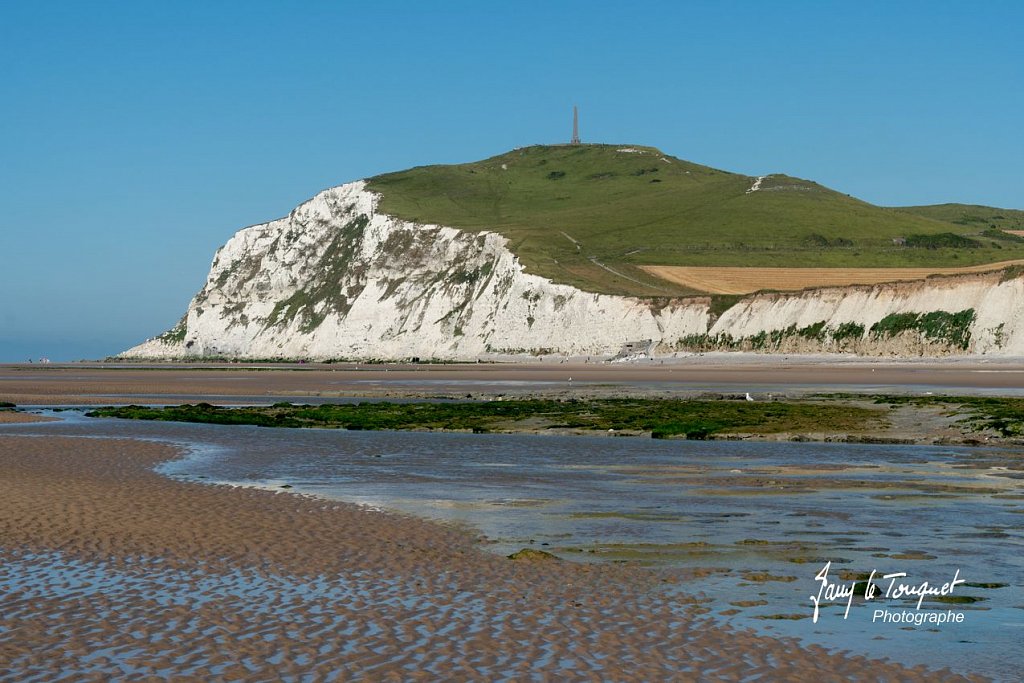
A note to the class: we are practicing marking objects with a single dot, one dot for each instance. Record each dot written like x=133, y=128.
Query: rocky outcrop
x=337, y=279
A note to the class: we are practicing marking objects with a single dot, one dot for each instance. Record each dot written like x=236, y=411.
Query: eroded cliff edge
x=337, y=279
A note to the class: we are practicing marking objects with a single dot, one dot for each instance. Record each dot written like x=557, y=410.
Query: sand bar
x=176, y=383
x=12, y=417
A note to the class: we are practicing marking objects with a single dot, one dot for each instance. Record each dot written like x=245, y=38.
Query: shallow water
x=200, y=609
x=767, y=515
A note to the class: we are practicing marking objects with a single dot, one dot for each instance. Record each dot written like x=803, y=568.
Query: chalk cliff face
x=337, y=279
x=977, y=313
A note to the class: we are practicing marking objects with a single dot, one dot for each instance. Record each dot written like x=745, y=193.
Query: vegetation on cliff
x=589, y=215
x=952, y=330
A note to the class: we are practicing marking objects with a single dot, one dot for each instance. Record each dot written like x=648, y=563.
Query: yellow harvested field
x=727, y=280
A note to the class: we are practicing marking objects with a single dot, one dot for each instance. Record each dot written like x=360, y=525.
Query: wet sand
x=233, y=383
x=148, y=576
x=109, y=570
x=12, y=417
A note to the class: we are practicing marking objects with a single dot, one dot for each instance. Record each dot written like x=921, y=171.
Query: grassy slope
x=629, y=209
x=971, y=215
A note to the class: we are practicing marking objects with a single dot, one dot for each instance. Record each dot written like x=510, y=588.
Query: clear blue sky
x=136, y=137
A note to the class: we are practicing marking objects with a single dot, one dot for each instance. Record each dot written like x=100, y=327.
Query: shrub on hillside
x=943, y=240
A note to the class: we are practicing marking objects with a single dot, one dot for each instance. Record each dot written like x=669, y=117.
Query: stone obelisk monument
x=575, y=126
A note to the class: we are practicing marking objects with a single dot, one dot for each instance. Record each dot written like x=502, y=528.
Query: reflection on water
x=756, y=521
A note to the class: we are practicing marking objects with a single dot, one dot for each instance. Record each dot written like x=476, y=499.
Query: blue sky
x=136, y=137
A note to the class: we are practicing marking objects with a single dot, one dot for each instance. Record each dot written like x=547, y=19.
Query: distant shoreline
x=227, y=383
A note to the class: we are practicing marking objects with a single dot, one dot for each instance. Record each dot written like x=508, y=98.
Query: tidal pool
x=754, y=523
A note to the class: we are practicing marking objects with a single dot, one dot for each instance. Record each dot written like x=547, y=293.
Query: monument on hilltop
x=575, y=126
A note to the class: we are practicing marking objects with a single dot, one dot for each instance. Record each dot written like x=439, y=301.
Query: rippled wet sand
x=110, y=570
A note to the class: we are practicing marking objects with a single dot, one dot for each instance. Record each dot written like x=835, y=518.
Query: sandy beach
x=92, y=384
x=113, y=570
x=11, y=417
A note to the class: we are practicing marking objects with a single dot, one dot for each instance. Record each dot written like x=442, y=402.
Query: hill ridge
x=627, y=206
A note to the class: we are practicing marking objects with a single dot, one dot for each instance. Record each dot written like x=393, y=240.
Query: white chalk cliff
x=336, y=279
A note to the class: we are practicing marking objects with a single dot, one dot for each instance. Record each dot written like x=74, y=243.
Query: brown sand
x=207, y=576
x=27, y=385
x=11, y=417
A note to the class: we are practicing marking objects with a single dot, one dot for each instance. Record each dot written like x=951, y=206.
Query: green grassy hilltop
x=973, y=216
x=588, y=215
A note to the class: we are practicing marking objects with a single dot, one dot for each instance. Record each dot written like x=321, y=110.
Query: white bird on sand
x=749, y=397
